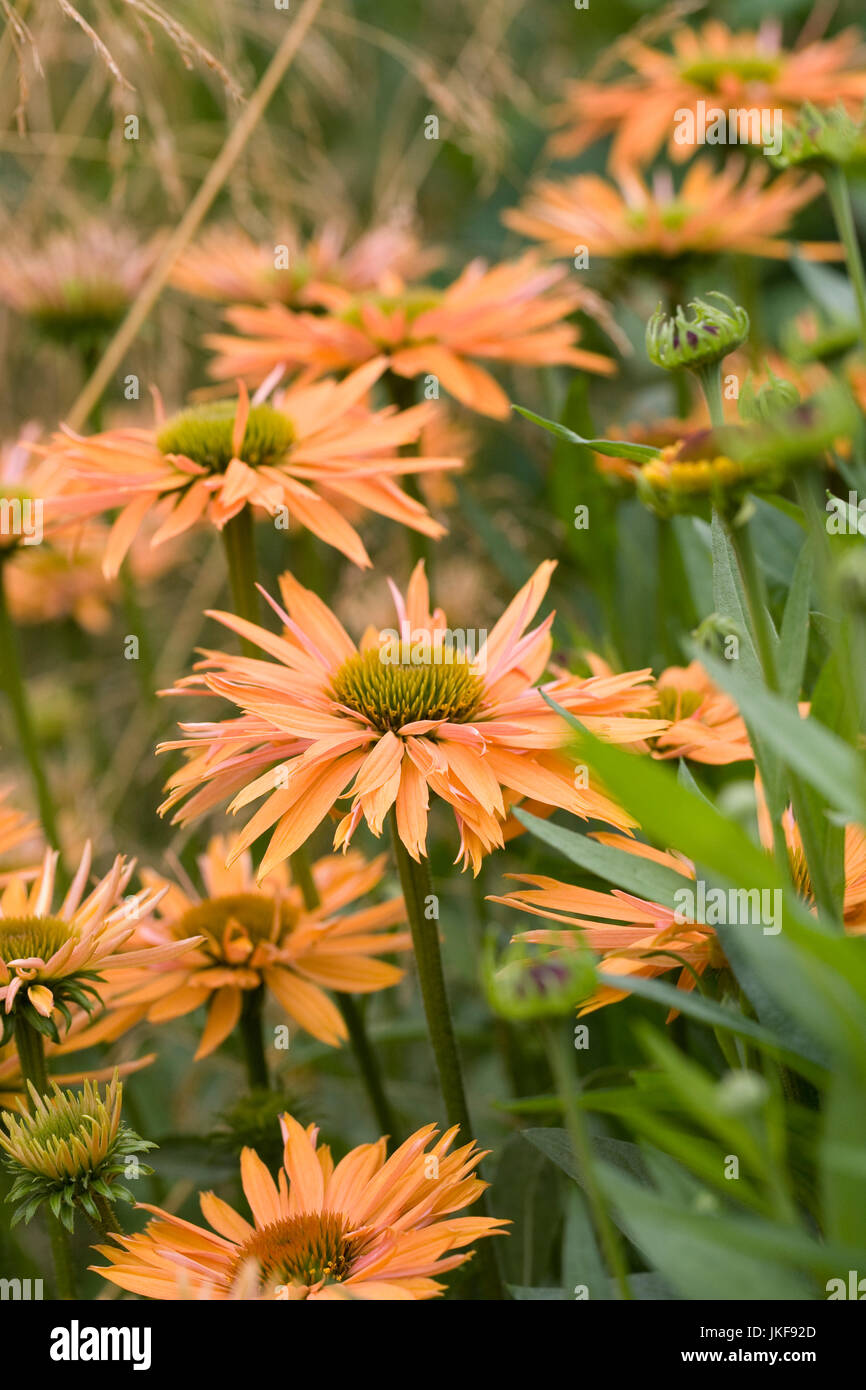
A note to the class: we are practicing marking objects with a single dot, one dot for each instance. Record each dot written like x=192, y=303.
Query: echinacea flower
x=76, y=285
x=252, y=935
x=513, y=312
x=51, y=957
x=637, y=937
x=410, y=712
x=315, y=448
x=70, y=1152
x=713, y=212
x=745, y=71
x=368, y=1227
x=228, y=266
x=631, y=935
x=704, y=725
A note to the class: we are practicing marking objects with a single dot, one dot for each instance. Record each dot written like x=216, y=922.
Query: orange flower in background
x=704, y=724
x=725, y=70
x=51, y=957
x=714, y=212
x=513, y=312
x=368, y=1227
x=634, y=936
x=228, y=266
x=408, y=713
x=16, y=829
x=251, y=935
x=316, y=447
x=76, y=284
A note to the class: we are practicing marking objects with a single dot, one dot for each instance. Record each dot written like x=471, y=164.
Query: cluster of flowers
x=321, y=725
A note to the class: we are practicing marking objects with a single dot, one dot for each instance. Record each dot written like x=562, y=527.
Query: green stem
x=10, y=662
x=252, y=1037
x=417, y=890
x=365, y=1054
x=562, y=1066
x=401, y=389
x=30, y=1047
x=710, y=378
x=240, y=550
x=840, y=201
x=107, y=1216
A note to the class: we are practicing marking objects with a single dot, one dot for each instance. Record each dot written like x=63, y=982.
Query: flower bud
x=714, y=330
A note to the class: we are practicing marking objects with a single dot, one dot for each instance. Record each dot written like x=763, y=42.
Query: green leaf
x=808, y=747
x=794, y=634
x=611, y=448
x=582, y=1264
x=630, y=871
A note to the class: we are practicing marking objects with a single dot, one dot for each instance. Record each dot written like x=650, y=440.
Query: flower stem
x=240, y=550
x=840, y=201
x=365, y=1054
x=253, y=1039
x=417, y=889
x=107, y=1216
x=562, y=1068
x=710, y=378
x=30, y=1047
x=10, y=663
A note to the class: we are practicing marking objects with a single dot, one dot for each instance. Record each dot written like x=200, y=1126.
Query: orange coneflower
x=262, y=934
x=632, y=935
x=76, y=285
x=635, y=936
x=230, y=267
x=514, y=312
x=413, y=710
x=51, y=957
x=315, y=446
x=705, y=724
x=369, y=1227
x=732, y=71
x=714, y=212
x=63, y=578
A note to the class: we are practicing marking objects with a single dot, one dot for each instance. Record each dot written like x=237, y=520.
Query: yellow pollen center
x=204, y=434
x=23, y=937
x=262, y=918
x=391, y=694
x=303, y=1250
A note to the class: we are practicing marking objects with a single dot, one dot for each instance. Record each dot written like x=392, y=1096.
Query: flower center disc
x=302, y=1250
x=678, y=704
x=204, y=434
x=392, y=694
x=21, y=937
x=710, y=72
x=254, y=912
